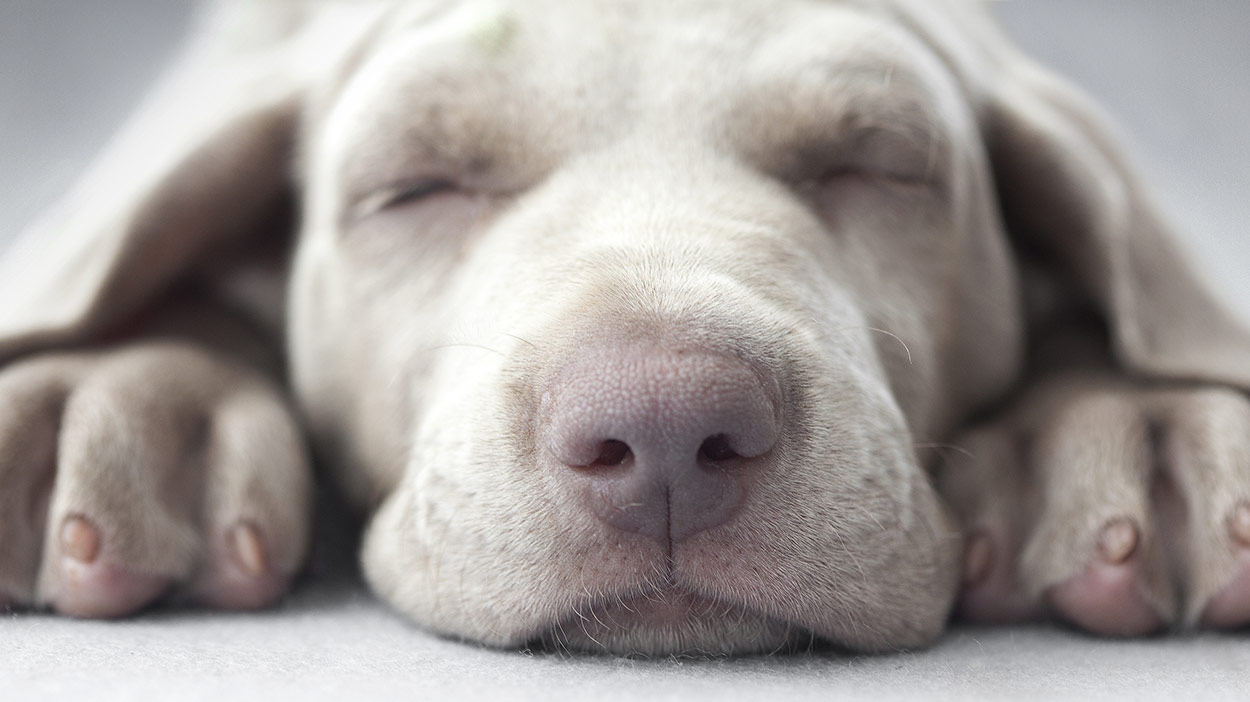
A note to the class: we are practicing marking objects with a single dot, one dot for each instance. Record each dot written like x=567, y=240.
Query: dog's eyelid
x=418, y=190
x=893, y=154
x=898, y=155
x=834, y=176
x=851, y=171
x=400, y=194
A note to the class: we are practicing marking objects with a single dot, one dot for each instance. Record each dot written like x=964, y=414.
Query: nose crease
x=655, y=440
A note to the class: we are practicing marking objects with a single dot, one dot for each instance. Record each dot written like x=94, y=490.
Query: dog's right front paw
x=1116, y=505
x=152, y=469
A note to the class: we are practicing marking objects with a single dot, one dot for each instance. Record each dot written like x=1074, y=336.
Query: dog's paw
x=153, y=469
x=1121, y=509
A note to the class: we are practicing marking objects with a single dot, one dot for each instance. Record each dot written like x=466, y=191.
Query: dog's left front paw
x=1117, y=507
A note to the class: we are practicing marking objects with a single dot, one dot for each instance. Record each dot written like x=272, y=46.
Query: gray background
x=1173, y=74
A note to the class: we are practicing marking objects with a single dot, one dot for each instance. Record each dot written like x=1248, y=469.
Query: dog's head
x=652, y=306
x=637, y=317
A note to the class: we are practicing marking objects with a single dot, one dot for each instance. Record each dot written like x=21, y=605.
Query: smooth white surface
x=1175, y=74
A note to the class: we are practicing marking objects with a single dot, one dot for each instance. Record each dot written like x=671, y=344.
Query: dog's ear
x=1068, y=192
x=205, y=160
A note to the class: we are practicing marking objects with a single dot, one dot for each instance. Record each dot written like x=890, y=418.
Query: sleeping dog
x=648, y=326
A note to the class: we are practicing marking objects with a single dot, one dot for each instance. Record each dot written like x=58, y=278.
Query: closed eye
x=873, y=190
x=854, y=179
x=402, y=194
x=870, y=174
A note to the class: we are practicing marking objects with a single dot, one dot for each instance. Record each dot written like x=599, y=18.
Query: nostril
x=612, y=453
x=662, y=412
x=716, y=449
x=662, y=442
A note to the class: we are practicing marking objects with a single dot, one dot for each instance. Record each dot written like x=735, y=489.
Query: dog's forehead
x=601, y=67
x=601, y=33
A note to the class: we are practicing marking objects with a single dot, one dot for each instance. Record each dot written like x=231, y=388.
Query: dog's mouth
x=671, y=620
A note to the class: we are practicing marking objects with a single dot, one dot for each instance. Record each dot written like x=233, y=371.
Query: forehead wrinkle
x=422, y=100
x=869, y=81
x=438, y=135
x=427, y=24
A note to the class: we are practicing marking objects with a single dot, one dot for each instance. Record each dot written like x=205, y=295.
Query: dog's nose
x=660, y=438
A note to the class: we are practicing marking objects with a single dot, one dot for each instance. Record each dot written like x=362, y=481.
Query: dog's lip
x=661, y=606
x=669, y=605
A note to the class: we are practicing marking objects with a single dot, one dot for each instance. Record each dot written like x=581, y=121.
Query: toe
x=982, y=483
x=90, y=584
x=239, y=573
x=1108, y=597
x=1229, y=608
x=1206, y=454
x=1095, y=556
x=258, y=505
x=990, y=592
x=105, y=590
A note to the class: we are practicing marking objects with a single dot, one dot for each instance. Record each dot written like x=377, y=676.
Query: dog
x=643, y=327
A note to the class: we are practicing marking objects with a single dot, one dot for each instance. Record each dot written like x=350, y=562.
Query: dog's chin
x=672, y=622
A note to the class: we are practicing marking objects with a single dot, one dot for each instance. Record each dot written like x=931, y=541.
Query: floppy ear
x=203, y=162
x=1068, y=192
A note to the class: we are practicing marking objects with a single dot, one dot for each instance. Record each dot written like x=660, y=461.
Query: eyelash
x=403, y=194
x=416, y=191
x=864, y=176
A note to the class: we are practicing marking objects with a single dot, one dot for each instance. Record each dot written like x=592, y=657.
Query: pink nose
x=659, y=438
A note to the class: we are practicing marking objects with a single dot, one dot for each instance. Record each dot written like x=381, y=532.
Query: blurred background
x=1175, y=75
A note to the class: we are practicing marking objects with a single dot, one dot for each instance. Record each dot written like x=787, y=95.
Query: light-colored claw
x=1118, y=541
x=80, y=540
x=248, y=549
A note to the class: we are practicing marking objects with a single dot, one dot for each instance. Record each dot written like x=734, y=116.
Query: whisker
x=523, y=341
x=442, y=347
x=892, y=335
x=951, y=447
x=897, y=338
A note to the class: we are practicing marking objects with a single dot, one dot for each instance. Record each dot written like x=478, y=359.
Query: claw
x=1118, y=540
x=248, y=550
x=80, y=540
x=239, y=574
